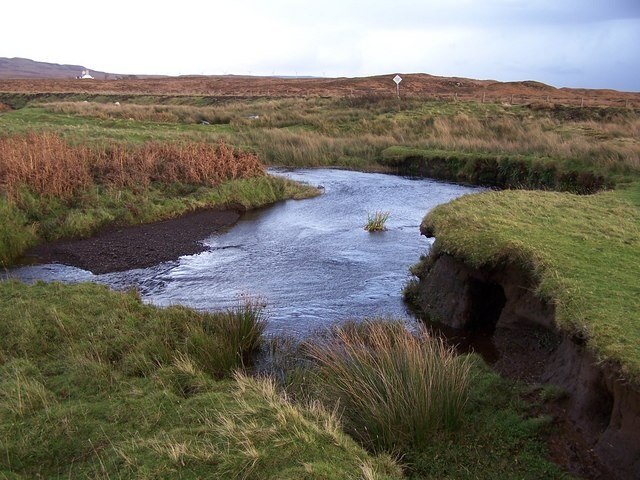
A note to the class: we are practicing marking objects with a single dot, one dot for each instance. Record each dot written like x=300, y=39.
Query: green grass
x=376, y=222
x=84, y=130
x=446, y=416
x=583, y=250
x=94, y=384
x=396, y=389
x=500, y=437
x=41, y=218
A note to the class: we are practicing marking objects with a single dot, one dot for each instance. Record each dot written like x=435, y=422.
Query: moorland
x=94, y=383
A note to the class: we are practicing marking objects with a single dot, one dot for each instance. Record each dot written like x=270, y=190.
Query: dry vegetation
x=49, y=166
x=413, y=85
x=353, y=132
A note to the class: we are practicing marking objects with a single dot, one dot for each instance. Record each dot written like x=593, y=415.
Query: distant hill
x=26, y=68
x=20, y=75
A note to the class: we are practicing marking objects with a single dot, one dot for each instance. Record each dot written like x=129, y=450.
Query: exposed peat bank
x=596, y=411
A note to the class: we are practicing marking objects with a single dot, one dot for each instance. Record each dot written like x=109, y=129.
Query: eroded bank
x=601, y=405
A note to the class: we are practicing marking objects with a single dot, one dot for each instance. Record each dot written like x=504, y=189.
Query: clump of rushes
x=377, y=221
x=395, y=388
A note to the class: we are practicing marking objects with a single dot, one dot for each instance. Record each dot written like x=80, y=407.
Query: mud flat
x=140, y=246
x=602, y=409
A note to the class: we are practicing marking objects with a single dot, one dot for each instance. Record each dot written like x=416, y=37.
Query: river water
x=310, y=261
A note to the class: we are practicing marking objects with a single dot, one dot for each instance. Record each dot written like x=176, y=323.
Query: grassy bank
x=96, y=384
x=497, y=170
x=447, y=416
x=583, y=250
x=53, y=190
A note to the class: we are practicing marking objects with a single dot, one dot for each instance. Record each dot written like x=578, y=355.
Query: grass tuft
x=377, y=221
x=395, y=388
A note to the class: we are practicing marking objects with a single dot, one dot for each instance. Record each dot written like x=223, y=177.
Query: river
x=310, y=261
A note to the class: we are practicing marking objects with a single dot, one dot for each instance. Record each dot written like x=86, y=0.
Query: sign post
x=397, y=79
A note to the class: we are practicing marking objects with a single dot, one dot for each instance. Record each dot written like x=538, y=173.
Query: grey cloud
x=415, y=14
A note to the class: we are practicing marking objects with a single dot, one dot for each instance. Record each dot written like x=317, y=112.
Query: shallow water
x=310, y=261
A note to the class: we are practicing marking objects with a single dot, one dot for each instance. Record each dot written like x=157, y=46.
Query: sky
x=572, y=43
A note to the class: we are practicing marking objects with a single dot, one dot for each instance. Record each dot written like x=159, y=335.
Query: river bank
x=349, y=276
x=54, y=190
x=118, y=249
x=553, y=278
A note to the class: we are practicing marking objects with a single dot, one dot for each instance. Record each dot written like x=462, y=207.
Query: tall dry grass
x=47, y=165
x=319, y=131
x=395, y=388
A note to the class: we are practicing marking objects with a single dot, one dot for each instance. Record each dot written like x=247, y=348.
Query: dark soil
x=126, y=248
x=524, y=355
x=594, y=413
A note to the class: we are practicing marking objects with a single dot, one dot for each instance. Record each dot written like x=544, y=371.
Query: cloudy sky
x=577, y=43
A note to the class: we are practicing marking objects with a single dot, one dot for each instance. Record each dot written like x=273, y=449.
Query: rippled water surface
x=310, y=260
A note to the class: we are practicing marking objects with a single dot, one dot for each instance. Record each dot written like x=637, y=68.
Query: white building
x=85, y=74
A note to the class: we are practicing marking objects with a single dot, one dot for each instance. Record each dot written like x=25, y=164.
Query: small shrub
x=376, y=222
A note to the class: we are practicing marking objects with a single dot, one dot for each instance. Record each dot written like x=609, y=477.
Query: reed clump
x=47, y=165
x=377, y=222
x=395, y=388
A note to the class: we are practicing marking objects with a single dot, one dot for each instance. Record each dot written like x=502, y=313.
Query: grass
x=39, y=218
x=396, y=389
x=353, y=132
x=446, y=416
x=500, y=437
x=376, y=222
x=583, y=250
x=96, y=384
x=498, y=170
